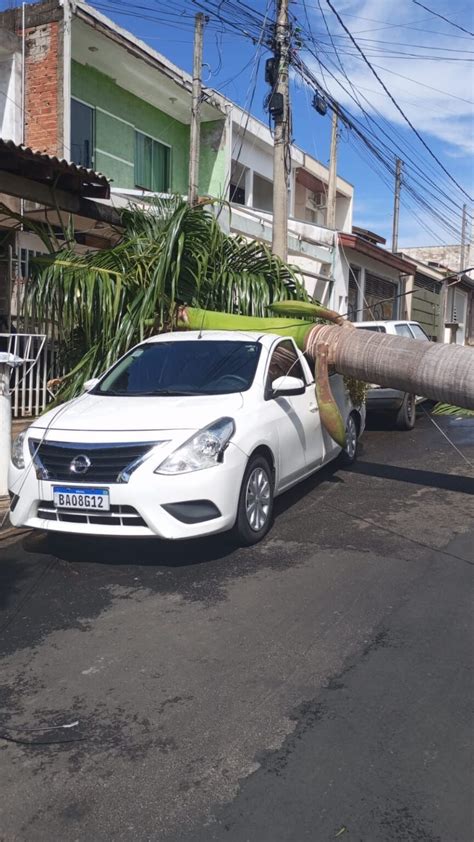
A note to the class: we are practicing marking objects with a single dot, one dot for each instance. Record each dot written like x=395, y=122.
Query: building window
x=82, y=133
x=238, y=178
x=152, y=164
x=262, y=193
x=380, y=298
x=237, y=194
x=353, y=296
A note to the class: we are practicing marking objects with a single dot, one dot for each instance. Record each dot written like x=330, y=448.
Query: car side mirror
x=89, y=384
x=287, y=386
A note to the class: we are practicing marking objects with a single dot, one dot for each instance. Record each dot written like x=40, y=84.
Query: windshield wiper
x=163, y=392
x=107, y=392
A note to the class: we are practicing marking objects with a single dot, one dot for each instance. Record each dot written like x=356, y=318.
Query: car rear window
x=376, y=328
x=403, y=330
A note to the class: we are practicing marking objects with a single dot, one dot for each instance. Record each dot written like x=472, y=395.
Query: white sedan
x=187, y=434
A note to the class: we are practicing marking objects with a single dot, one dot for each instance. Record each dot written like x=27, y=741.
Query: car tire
x=406, y=415
x=255, y=507
x=348, y=454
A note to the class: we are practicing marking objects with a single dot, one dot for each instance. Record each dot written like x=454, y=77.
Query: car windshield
x=197, y=367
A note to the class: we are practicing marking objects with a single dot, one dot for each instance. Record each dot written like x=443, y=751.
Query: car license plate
x=89, y=499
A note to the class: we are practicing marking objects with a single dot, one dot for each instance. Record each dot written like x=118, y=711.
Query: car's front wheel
x=255, y=509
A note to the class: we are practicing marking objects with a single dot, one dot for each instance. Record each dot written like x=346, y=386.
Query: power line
x=399, y=109
x=389, y=134
x=373, y=145
x=436, y=14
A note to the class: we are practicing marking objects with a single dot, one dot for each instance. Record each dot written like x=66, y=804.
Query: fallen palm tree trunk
x=437, y=371
x=440, y=372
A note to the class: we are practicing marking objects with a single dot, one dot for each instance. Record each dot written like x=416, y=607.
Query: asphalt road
x=315, y=687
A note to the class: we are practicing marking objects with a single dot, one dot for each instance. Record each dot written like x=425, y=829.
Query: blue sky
x=421, y=59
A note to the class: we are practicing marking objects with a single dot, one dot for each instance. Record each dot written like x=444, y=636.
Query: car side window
x=284, y=362
x=418, y=332
x=373, y=328
x=403, y=330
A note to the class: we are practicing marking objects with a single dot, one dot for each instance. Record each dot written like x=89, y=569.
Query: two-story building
x=78, y=86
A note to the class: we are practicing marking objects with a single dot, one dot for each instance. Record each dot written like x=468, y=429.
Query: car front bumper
x=171, y=507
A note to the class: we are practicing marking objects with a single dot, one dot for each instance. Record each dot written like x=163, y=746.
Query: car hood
x=108, y=414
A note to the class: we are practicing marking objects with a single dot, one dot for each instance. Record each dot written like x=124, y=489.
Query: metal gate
x=28, y=337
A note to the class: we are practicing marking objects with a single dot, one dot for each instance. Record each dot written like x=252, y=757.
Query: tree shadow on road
x=429, y=479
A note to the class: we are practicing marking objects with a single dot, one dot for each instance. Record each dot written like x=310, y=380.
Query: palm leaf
x=108, y=300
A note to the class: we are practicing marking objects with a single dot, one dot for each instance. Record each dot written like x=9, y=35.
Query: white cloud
x=437, y=95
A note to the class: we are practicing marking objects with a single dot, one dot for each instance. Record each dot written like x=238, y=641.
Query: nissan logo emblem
x=80, y=464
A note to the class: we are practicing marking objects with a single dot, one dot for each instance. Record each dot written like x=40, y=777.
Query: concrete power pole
x=279, y=107
x=195, y=129
x=396, y=204
x=464, y=239
x=331, y=209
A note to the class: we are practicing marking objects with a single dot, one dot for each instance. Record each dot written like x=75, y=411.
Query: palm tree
x=172, y=255
x=106, y=301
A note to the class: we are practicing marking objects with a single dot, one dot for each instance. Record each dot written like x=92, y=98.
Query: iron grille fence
x=28, y=383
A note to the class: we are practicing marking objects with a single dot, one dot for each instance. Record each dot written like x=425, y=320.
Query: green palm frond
x=448, y=409
x=108, y=300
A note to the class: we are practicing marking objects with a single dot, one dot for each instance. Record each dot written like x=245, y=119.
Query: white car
x=187, y=434
x=400, y=405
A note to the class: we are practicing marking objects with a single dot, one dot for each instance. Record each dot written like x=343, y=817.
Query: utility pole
x=195, y=129
x=396, y=204
x=331, y=208
x=280, y=110
x=462, y=256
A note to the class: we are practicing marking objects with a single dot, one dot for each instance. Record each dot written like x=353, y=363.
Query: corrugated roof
x=53, y=171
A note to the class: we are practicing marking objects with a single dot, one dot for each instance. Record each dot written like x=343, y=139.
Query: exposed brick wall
x=43, y=88
x=44, y=41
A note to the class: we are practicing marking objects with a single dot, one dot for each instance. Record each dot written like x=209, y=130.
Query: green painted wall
x=117, y=138
x=425, y=309
x=213, y=169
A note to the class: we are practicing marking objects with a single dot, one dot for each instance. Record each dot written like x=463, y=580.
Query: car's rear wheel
x=406, y=415
x=349, y=452
x=255, y=508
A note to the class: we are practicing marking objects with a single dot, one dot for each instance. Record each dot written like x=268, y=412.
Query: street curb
x=12, y=532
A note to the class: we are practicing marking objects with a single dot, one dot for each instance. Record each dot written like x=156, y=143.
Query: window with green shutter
x=152, y=164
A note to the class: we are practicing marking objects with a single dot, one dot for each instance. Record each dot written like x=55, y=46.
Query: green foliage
x=107, y=301
x=458, y=411
x=357, y=390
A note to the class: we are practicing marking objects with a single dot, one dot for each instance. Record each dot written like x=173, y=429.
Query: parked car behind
x=186, y=435
x=401, y=406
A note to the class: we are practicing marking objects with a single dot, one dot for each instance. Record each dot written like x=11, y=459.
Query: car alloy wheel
x=258, y=499
x=351, y=439
x=348, y=455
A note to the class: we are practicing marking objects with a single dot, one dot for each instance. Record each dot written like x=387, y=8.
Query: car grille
x=109, y=463
x=117, y=516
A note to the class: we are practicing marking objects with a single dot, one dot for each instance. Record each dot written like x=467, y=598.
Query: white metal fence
x=28, y=382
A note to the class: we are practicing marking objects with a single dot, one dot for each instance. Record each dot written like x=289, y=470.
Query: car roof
x=386, y=322
x=265, y=339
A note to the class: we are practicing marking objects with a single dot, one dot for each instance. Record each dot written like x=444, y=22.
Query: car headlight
x=203, y=450
x=18, y=458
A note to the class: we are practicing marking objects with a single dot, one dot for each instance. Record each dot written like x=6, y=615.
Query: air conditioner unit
x=317, y=201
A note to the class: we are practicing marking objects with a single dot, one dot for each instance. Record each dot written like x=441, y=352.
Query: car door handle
x=313, y=407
